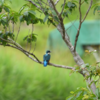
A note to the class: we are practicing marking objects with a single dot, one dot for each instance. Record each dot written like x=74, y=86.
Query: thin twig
x=34, y=4
x=31, y=39
x=34, y=48
x=72, y=23
x=63, y=7
x=87, y=11
x=79, y=26
x=5, y=40
x=40, y=9
x=12, y=27
x=69, y=27
x=52, y=5
x=44, y=3
x=18, y=32
x=27, y=41
x=56, y=2
x=9, y=27
x=82, y=2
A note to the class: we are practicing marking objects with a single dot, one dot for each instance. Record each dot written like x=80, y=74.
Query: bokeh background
x=23, y=79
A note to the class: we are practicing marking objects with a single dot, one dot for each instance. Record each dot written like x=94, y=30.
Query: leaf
x=21, y=18
x=69, y=98
x=56, y=18
x=51, y=21
x=45, y=19
x=3, y=36
x=97, y=4
x=26, y=13
x=25, y=38
x=65, y=14
x=6, y=9
x=69, y=4
x=35, y=21
x=97, y=92
x=41, y=21
x=28, y=40
x=34, y=38
x=86, y=1
x=32, y=12
x=75, y=1
x=2, y=2
x=0, y=9
x=95, y=9
x=53, y=12
x=0, y=32
x=22, y=8
x=4, y=43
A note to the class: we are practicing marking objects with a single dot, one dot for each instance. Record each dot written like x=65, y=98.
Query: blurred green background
x=23, y=79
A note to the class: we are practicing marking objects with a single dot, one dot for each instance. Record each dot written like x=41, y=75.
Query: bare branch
x=9, y=27
x=34, y=4
x=81, y=21
x=36, y=59
x=56, y=2
x=41, y=8
x=79, y=25
x=72, y=24
x=52, y=5
x=12, y=27
x=87, y=11
x=44, y=3
x=5, y=40
x=63, y=7
x=18, y=32
x=31, y=39
x=34, y=47
x=27, y=41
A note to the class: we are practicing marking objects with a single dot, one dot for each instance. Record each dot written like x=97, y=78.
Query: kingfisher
x=46, y=58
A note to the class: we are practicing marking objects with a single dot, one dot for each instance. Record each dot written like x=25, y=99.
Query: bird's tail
x=45, y=63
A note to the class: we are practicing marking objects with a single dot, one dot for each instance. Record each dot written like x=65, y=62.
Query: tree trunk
x=76, y=56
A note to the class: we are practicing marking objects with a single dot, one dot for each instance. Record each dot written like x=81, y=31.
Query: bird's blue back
x=46, y=58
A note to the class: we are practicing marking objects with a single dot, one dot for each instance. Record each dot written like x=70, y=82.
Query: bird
x=46, y=58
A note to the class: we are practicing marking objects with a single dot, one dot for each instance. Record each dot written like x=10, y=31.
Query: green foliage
x=69, y=7
x=96, y=7
x=30, y=38
x=81, y=94
x=4, y=36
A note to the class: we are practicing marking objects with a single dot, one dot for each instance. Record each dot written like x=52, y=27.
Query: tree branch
x=34, y=4
x=87, y=11
x=52, y=5
x=41, y=8
x=36, y=59
x=18, y=32
x=31, y=38
x=72, y=24
x=12, y=27
x=81, y=21
x=79, y=25
x=61, y=29
x=44, y=3
x=56, y=2
x=63, y=7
